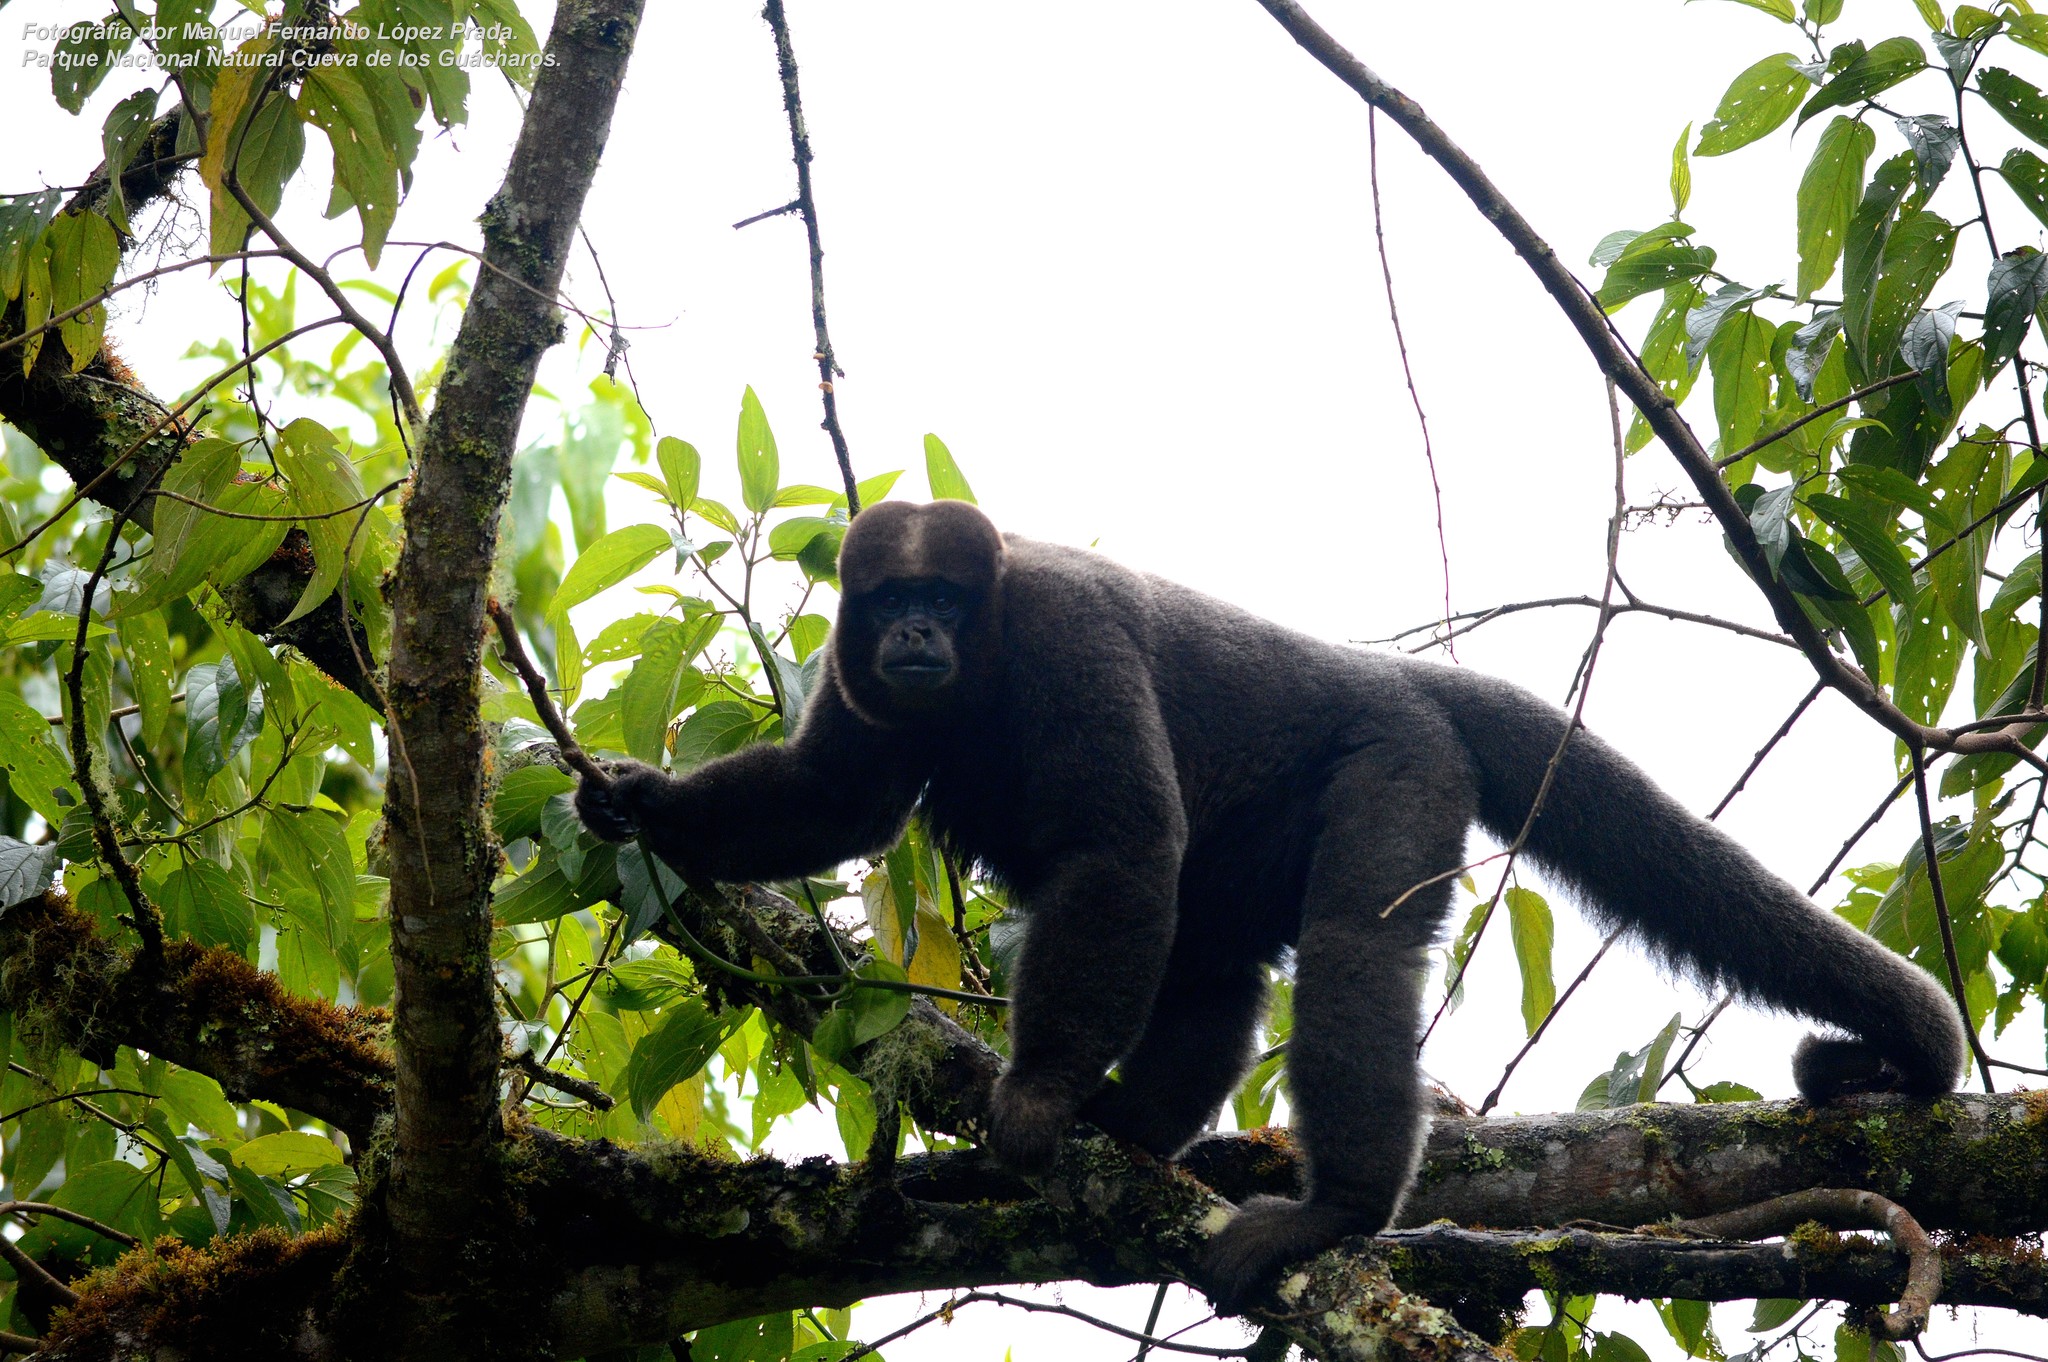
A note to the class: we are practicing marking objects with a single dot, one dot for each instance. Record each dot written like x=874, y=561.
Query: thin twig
x=1765, y=750
x=1781, y=432
x=945, y=1312
x=1544, y=1025
x=29, y=1209
x=148, y=922
x=1941, y=917
x=807, y=205
x=1468, y=620
x=1853, y=838
x=582, y=1089
x=394, y=365
x=1152, y=1320
x=1372, y=161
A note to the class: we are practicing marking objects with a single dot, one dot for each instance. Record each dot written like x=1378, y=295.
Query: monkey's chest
x=980, y=818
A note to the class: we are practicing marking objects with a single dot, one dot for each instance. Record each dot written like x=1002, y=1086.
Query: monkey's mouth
x=918, y=674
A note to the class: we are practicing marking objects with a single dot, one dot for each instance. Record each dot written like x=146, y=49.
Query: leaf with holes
x=1869, y=75
x=2018, y=283
x=2018, y=102
x=1756, y=103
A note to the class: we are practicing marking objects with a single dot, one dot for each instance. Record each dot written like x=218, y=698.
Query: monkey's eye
x=943, y=603
x=890, y=603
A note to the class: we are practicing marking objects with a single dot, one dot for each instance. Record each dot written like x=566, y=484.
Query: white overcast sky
x=1119, y=256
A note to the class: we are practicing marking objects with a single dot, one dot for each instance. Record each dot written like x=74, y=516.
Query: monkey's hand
x=1025, y=1123
x=615, y=811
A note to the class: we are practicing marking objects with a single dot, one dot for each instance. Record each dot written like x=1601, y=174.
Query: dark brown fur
x=1177, y=792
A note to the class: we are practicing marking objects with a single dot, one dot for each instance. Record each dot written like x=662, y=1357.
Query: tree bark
x=444, y=1195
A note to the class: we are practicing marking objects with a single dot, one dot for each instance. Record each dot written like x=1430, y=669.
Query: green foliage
x=1897, y=516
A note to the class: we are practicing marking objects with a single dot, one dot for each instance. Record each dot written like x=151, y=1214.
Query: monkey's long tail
x=1641, y=860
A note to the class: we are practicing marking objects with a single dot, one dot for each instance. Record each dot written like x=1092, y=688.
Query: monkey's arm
x=839, y=788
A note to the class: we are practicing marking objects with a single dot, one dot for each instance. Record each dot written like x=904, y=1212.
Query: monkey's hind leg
x=1354, y=1086
x=1196, y=1049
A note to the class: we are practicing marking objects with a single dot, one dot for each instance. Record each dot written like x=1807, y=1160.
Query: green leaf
x=1780, y=10
x=2027, y=174
x=508, y=40
x=23, y=218
x=515, y=809
x=2018, y=283
x=1757, y=102
x=2017, y=101
x=660, y=685
x=877, y=1011
x=202, y=901
x=680, y=469
x=715, y=729
x=871, y=490
x=35, y=766
x=679, y=1045
x=322, y=482
x=1870, y=74
x=221, y=714
x=85, y=56
x=766, y=1338
x=286, y=1154
x=113, y=1192
x=120, y=136
x=1681, y=173
x=1617, y=1348
x=146, y=643
x=1530, y=922
x=1727, y=1092
x=1769, y=1314
x=25, y=870
x=947, y=482
x=1653, y=1060
x=1740, y=358
x=192, y=545
x=343, y=102
x=268, y=146
x=84, y=252
x=1828, y=194
x=760, y=468
x=606, y=563
x=1935, y=142
x=310, y=850
x=1660, y=267
x=196, y=1100
x=1861, y=531
x=1930, y=649
x=1691, y=1327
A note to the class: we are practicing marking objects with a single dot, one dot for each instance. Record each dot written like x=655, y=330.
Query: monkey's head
x=919, y=608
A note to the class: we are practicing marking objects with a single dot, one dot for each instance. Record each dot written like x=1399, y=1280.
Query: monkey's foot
x=1025, y=1125
x=1243, y=1262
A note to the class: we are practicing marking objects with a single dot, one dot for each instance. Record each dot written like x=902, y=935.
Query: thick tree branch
x=204, y=1008
x=443, y=1187
x=635, y=1246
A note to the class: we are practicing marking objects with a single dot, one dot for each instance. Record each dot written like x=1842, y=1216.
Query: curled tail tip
x=1829, y=1067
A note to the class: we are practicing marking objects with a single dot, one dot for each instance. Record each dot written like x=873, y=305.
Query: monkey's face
x=920, y=611
x=916, y=628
